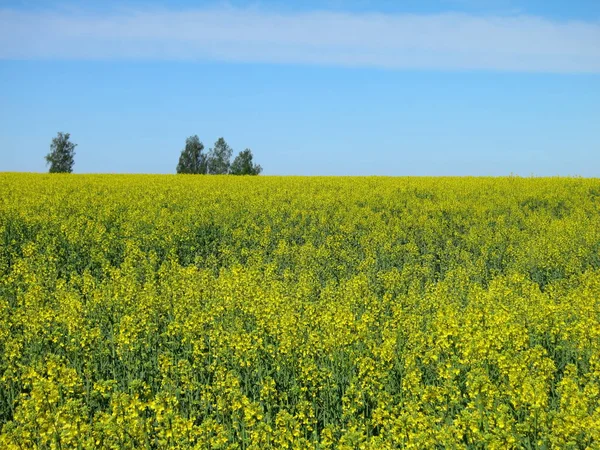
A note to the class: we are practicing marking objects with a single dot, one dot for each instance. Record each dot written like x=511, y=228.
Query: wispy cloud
x=402, y=41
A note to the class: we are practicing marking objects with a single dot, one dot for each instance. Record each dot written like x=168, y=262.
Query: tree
x=242, y=164
x=219, y=158
x=192, y=160
x=62, y=153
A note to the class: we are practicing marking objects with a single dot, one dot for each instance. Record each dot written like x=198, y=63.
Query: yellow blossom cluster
x=189, y=312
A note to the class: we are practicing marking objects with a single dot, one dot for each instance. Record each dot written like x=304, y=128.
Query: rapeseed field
x=213, y=312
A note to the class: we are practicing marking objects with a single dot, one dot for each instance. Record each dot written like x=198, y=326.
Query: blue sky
x=452, y=87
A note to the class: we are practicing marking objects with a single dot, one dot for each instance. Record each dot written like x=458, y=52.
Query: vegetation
x=192, y=160
x=217, y=161
x=219, y=158
x=256, y=313
x=62, y=154
x=243, y=165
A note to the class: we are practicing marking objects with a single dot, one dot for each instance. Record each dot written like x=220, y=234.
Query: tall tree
x=219, y=158
x=242, y=164
x=192, y=160
x=62, y=154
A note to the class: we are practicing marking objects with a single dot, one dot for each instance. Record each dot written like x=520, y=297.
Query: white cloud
x=442, y=41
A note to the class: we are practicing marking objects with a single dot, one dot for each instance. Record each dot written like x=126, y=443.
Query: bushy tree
x=242, y=164
x=192, y=160
x=62, y=154
x=219, y=158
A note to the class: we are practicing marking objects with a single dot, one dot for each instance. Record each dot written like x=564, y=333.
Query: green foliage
x=192, y=160
x=219, y=158
x=242, y=164
x=62, y=153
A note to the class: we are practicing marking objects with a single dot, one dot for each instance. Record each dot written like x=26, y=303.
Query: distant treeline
x=217, y=161
x=193, y=160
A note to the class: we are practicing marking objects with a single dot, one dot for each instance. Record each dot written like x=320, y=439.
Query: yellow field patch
x=220, y=312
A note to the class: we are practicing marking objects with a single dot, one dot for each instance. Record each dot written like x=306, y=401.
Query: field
x=230, y=312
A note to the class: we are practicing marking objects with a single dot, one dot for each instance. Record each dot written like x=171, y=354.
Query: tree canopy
x=62, y=154
x=242, y=164
x=192, y=160
x=219, y=158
